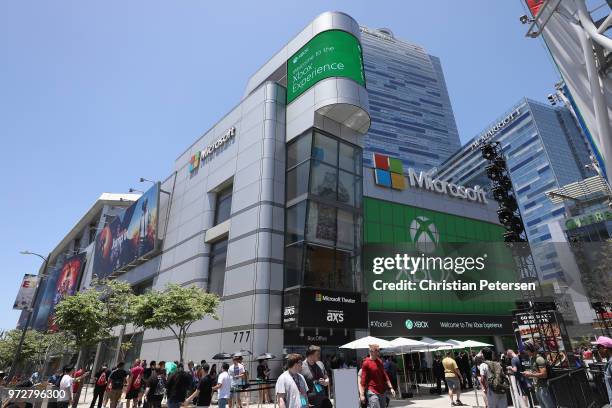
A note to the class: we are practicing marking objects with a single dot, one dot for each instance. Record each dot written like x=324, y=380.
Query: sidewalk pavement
x=422, y=400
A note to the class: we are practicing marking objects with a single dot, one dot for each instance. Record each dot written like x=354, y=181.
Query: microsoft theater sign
x=389, y=172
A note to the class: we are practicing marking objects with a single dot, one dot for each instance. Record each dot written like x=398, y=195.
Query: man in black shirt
x=100, y=382
x=117, y=380
x=179, y=385
x=204, y=390
x=156, y=388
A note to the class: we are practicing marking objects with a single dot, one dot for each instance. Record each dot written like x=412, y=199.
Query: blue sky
x=94, y=95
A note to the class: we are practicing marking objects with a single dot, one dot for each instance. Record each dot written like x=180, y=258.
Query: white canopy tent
x=365, y=342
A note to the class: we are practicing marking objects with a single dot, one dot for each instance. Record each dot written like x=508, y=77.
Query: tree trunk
x=181, y=341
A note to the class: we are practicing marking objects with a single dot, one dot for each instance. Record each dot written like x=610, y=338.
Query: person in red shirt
x=374, y=380
x=135, y=382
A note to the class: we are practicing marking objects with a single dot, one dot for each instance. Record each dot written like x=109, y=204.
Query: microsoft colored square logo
x=389, y=172
x=194, y=162
x=318, y=297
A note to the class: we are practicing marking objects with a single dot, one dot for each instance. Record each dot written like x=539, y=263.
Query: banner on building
x=308, y=307
x=25, y=296
x=61, y=283
x=409, y=324
x=129, y=237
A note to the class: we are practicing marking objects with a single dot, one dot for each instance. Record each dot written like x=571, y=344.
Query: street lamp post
x=30, y=311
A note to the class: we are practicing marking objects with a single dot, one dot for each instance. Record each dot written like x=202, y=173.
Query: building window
x=143, y=287
x=223, y=207
x=216, y=269
x=323, y=216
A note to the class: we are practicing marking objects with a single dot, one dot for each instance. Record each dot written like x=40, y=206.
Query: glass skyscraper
x=544, y=150
x=412, y=117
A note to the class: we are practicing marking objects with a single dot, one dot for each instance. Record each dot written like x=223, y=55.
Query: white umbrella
x=456, y=344
x=408, y=344
x=365, y=342
x=473, y=343
x=435, y=343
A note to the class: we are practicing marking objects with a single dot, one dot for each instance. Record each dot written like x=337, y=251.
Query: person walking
x=374, y=381
x=117, y=380
x=604, y=348
x=223, y=386
x=156, y=388
x=438, y=372
x=391, y=370
x=178, y=386
x=539, y=375
x=100, y=383
x=204, y=390
x=291, y=386
x=263, y=373
x=65, y=387
x=237, y=372
x=316, y=377
x=516, y=369
x=464, y=367
x=452, y=376
x=494, y=380
x=135, y=382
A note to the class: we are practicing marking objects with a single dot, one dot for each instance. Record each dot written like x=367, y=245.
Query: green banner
x=329, y=54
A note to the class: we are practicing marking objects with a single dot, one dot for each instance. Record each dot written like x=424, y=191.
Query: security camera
x=524, y=19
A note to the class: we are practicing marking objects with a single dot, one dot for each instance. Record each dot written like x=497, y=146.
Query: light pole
x=30, y=310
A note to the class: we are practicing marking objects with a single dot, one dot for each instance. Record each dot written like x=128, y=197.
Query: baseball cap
x=603, y=341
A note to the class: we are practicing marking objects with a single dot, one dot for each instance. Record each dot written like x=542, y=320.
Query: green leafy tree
x=37, y=346
x=83, y=315
x=176, y=308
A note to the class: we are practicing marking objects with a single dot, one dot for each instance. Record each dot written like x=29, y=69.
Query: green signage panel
x=395, y=225
x=329, y=54
x=588, y=219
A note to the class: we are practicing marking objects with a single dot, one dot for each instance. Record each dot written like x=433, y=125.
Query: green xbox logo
x=424, y=233
x=409, y=324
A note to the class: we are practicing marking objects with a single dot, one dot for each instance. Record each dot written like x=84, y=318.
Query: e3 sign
x=332, y=53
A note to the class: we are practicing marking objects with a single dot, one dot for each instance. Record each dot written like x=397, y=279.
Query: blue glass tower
x=412, y=117
x=544, y=150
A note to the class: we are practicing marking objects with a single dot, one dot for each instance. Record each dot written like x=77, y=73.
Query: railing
x=579, y=388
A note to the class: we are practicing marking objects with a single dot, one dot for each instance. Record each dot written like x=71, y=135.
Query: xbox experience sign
x=332, y=53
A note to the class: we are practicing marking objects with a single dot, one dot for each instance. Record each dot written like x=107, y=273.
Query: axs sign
x=308, y=307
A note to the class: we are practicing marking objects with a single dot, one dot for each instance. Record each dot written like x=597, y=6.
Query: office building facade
x=544, y=149
x=267, y=210
x=412, y=117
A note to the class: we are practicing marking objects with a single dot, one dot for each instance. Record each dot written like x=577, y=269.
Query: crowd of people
x=148, y=385
x=306, y=380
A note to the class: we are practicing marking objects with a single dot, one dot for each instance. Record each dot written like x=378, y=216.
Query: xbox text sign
x=332, y=53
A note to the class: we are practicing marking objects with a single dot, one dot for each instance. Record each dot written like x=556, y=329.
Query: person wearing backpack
x=156, y=388
x=135, y=383
x=117, y=380
x=495, y=380
x=100, y=381
x=539, y=375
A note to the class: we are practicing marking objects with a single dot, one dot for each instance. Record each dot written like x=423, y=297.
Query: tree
x=176, y=308
x=118, y=299
x=37, y=346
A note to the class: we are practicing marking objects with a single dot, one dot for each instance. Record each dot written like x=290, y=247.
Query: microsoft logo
x=194, y=162
x=389, y=172
x=318, y=297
